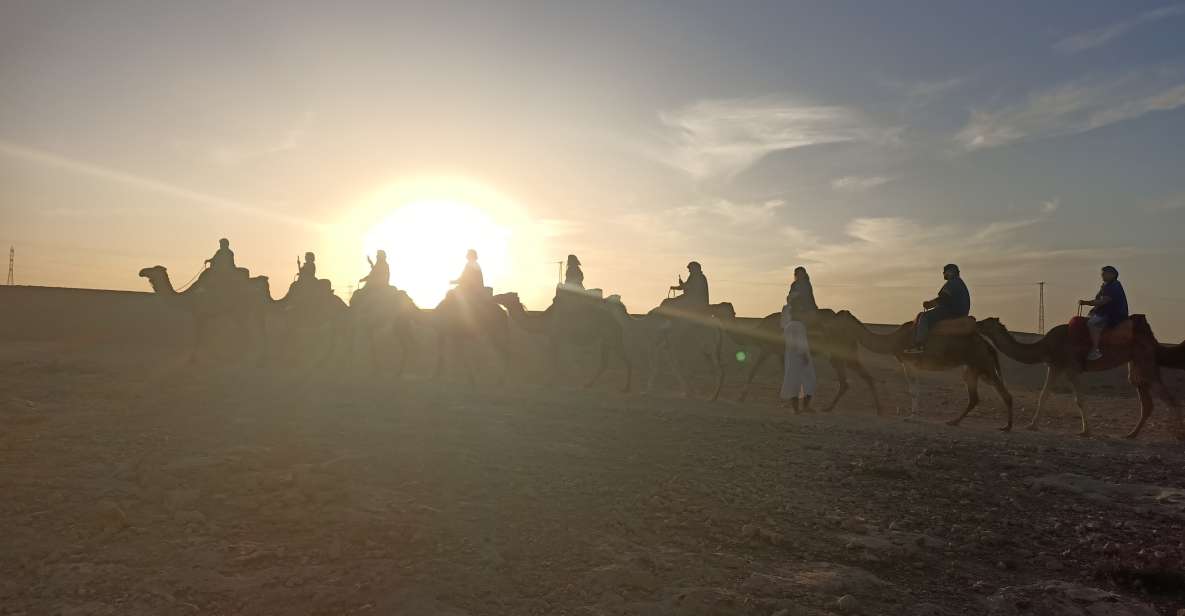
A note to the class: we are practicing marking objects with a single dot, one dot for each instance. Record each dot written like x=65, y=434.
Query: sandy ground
x=135, y=485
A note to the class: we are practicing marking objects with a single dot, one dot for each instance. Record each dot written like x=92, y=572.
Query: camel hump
x=959, y=326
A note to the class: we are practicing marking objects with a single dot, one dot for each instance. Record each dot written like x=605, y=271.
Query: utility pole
x=1041, y=307
x=11, y=261
x=560, y=277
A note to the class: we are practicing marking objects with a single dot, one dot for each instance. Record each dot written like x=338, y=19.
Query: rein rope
x=185, y=286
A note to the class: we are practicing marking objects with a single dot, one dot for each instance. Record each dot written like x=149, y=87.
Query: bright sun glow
x=427, y=226
x=426, y=242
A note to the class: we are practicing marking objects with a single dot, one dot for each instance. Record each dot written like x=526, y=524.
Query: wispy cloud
x=858, y=183
x=1098, y=37
x=1073, y=108
x=229, y=152
x=887, y=251
x=85, y=168
x=724, y=137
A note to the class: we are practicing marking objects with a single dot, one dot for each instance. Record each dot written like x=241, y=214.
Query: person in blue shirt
x=1108, y=309
x=953, y=301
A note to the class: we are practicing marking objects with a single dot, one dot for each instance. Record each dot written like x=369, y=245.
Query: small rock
x=848, y=604
x=1054, y=565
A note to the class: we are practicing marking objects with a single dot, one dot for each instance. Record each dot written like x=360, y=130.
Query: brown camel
x=1136, y=347
x=765, y=340
x=382, y=315
x=243, y=300
x=943, y=352
x=460, y=319
x=578, y=321
x=1171, y=356
x=697, y=333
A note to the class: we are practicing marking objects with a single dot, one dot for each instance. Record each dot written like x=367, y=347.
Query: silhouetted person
x=953, y=301
x=306, y=272
x=471, y=279
x=224, y=257
x=802, y=296
x=695, y=288
x=1108, y=309
x=380, y=271
x=798, y=377
x=222, y=265
x=573, y=275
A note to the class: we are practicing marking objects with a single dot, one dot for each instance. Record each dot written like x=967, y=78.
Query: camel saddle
x=1117, y=336
x=958, y=326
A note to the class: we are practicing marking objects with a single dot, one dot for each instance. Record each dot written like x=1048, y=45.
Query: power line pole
x=1041, y=307
x=11, y=262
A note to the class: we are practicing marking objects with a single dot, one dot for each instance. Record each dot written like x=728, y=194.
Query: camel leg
x=406, y=346
x=1051, y=376
x=865, y=376
x=677, y=368
x=601, y=368
x=655, y=360
x=719, y=365
x=1144, y=393
x=1072, y=377
x=761, y=356
x=1176, y=427
x=971, y=380
x=997, y=383
x=911, y=382
x=841, y=375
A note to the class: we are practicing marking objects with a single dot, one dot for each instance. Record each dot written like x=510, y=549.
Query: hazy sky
x=872, y=142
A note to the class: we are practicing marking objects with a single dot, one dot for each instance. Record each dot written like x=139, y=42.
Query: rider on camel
x=380, y=271
x=1108, y=309
x=953, y=301
x=471, y=280
x=573, y=275
x=222, y=264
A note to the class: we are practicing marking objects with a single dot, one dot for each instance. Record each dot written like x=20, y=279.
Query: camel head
x=990, y=326
x=158, y=277
x=509, y=301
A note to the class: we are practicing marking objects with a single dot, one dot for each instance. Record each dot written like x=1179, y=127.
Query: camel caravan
x=685, y=325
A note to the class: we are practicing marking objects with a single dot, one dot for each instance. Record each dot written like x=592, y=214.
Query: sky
x=869, y=142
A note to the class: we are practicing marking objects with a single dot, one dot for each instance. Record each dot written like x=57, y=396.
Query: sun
x=426, y=242
x=427, y=226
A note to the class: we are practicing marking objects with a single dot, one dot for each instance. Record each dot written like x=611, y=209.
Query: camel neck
x=1023, y=352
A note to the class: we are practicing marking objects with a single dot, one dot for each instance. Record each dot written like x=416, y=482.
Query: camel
x=703, y=332
x=242, y=299
x=767, y=340
x=313, y=311
x=459, y=319
x=382, y=314
x=1135, y=346
x=578, y=321
x=945, y=349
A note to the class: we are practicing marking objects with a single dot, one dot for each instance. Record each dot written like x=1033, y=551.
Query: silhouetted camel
x=383, y=315
x=243, y=300
x=943, y=352
x=1061, y=357
x=578, y=321
x=703, y=331
x=459, y=320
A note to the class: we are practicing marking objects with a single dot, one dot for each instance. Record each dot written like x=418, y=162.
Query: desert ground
x=135, y=483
